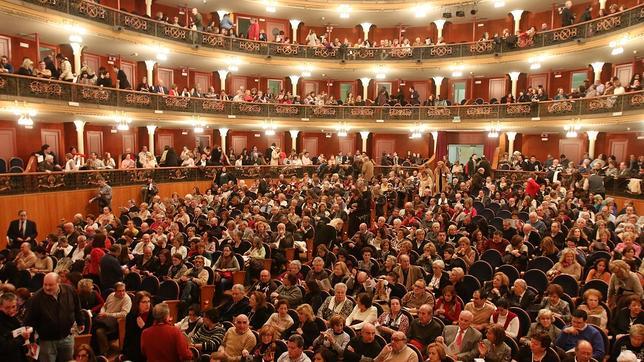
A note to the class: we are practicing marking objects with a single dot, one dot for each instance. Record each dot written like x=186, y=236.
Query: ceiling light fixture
x=421, y=10
x=571, y=129
x=417, y=131
x=345, y=11
x=494, y=129
x=271, y=6
x=24, y=114
x=197, y=124
x=618, y=45
x=499, y=4
x=343, y=129
x=122, y=121
x=269, y=128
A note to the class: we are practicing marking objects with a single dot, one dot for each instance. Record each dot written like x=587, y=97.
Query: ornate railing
x=121, y=20
x=13, y=85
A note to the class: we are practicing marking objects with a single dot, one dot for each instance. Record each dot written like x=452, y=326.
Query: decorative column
x=597, y=69
x=80, y=136
x=516, y=14
x=365, y=87
x=294, y=24
x=148, y=8
x=435, y=137
x=77, y=50
x=592, y=137
x=365, y=29
x=294, y=134
x=151, y=129
x=438, y=80
x=511, y=137
x=223, y=73
x=364, y=135
x=514, y=77
x=149, y=67
x=440, y=23
x=223, y=132
x=294, y=79
x=602, y=4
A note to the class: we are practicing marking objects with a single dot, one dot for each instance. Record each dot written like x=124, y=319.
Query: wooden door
x=618, y=149
x=166, y=76
x=202, y=81
x=536, y=80
x=273, y=28
x=237, y=84
x=162, y=141
x=277, y=139
x=94, y=142
x=129, y=143
x=624, y=72
x=497, y=88
x=311, y=86
x=130, y=71
x=52, y=137
x=383, y=146
x=310, y=144
x=388, y=86
x=203, y=140
x=345, y=89
x=572, y=148
x=93, y=61
x=348, y=144
x=238, y=143
x=5, y=46
x=422, y=89
x=8, y=144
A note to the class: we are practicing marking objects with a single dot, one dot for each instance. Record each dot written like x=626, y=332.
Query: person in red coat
x=253, y=30
x=532, y=187
x=163, y=341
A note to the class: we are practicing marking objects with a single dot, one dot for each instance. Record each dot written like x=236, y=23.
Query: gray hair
x=340, y=286
x=239, y=288
x=160, y=312
x=522, y=283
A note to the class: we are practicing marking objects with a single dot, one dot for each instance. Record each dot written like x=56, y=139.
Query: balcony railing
x=121, y=20
x=20, y=86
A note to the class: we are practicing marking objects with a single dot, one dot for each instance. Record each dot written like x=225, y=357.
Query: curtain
x=491, y=143
x=441, y=145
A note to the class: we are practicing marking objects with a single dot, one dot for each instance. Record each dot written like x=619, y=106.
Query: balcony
x=12, y=86
x=121, y=20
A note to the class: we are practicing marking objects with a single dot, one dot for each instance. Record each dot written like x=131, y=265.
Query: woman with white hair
x=544, y=324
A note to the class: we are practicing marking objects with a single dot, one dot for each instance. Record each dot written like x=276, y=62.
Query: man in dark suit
x=21, y=230
x=462, y=340
x=121, y=78
x=160, y=88
x=521, y=296
x=567, y=16
x=111, y=271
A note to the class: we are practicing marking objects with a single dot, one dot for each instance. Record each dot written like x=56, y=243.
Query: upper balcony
x=12, y=86
x=121, y=20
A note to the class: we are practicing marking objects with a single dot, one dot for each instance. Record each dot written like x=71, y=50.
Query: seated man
x=521, y=296
x=337, y=304
x=579, y=330
x=397, y=350
x=424, y=329
x=238, y=304
x=364, y=345
x=237, y=340
x=538, y=350
x=207, y=338
x=295, y=352
x=193, y=279
x=144, y=264
x=462, y=340
x=265, y=284
x=417, y=297
x=583, y=353
x=106, y=327
x=481, y=310
x=407, y=273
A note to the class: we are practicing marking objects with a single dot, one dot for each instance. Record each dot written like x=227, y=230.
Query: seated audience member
x=397, y=350
x=462, y=340
x=583, y=352
x=633, y=342
x=539, y=349
x=521, y=296
x=192, y=321
x=337, y=304
x=625, y=318
x=295, y=350
x=544, y=324
x=280, y=320
x=364, y=345
x=597, y=315
x=335, y=339
x=553, y=302
x=362, y=313
x=481, y=310
x=238, y=341
x=105, y=324
x=417, y=297
x=424, y=329
x=394, y=320
x=208, y=335
x=493, y=348
x=238, y=304
x=505, y=318
x=580, y=330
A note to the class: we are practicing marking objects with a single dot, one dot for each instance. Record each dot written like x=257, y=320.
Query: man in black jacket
x=11, y=348
x=52, y=312
x=111, y=271
x=567, y=16
x=21, y=230
x=364, y=345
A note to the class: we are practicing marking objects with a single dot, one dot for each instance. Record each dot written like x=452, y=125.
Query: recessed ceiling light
x=499, y=4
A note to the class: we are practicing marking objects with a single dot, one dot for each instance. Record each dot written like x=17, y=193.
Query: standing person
x=11, y=348
x=197, y=20
x=52, y=312
x=110, y=267
x=253, y=30
x=163, y=341
x=104, y=196
x=21, y=230
x=66, y=73
x=136, y=321
x=121, y=79
x=567, y=16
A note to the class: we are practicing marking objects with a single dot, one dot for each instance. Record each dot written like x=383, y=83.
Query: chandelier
x=197, y=124
x=269, y=128
x=417, y=131
x=24, y=114
x=343, y=129
x=122, y=121
x=571, y=129
x=494, y=129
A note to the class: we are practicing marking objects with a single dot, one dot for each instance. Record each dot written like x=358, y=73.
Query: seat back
x=150, y=284
x=568, y=283
x=537, y=279
x=481, y=270
x=493, y=257
x=168, y=290
x=510, y=271
x=542, y=263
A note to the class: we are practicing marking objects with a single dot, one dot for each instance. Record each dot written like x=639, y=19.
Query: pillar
x=597, y=69
x=516, y=14
x=364, y=135
x=294, y=24
x=222, y=76
x=438, y=80
x=514, y=77
x=148, y=8
x=294, y=79
x=294, y=134
x=365, y=87
x=440, y=23
x=511, y=137
x=365, y=29
x=223, y=132
x=592, y=137
x=77, y=50
x=80, y=136
x=151, y=129
x=602, y=4
x=435, y=137
x=149, y=67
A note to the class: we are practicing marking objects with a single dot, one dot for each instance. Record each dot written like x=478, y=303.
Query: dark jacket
x=53, y=317
x=232, y=309
x=111, y=271
x=132, y=340
x=14, y=232
x=122, y=79
x=567, y=17
x=11, y=349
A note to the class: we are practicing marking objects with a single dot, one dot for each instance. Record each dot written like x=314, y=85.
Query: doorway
x=458, y=91
x=463, y=153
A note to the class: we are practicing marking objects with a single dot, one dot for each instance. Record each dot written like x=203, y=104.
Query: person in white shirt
x=362, y=313
x=506, y=319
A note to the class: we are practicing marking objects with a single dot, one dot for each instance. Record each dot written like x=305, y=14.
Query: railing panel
x=439, y=112
x=607, y=104
x=519, y=110
x=177, y=33
x=137, y=100
x=560, y=108
x=59, y=5
x=286, y=110
x=37, y=88
x=401, y=113
x=92, y=11
x=180, y=104
x=250, y=47
x=286, y=50
x=95, y=95
x=633, y=101
x=136, y=23
x=480, y=112
x=250, y=109
x=212, y=106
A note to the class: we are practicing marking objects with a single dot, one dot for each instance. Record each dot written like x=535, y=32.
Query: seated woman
x=555, y=304
x=334, y=339
x=599, y=271
x=436, y=353
x=305, y=326
x=465, y=251
x=516, y=253
x=493, y=349
x=622, y=321
x=544, y=324
x=340, y=273
x=265, y=350
x=280, y=320
x=628, y=256
x=438, y=279
x=362, y=313
x=597, y=315
x=392, y=321
x=259, y=312
x=43, y=263
x=447, y=307
x=288, y=291
x=567, y=265
x=498, y=287
x=224, y=268
x=89, y=298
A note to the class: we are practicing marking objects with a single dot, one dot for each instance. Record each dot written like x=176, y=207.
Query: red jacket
x=164, y=343
x=532, y=187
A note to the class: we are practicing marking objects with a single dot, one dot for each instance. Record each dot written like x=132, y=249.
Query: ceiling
x=380, y=13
